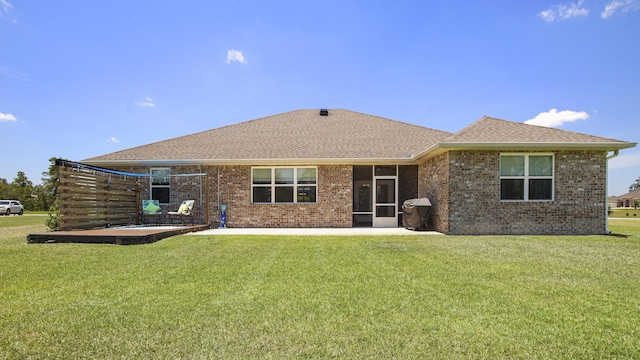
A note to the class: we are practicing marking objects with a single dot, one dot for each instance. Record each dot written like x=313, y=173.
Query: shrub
x=53, y=222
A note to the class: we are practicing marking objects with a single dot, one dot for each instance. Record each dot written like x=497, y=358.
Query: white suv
x=8, y=207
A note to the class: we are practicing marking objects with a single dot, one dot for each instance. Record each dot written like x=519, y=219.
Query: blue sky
x=85, y=78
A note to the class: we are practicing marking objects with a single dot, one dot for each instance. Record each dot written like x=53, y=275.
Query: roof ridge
x=296, y=134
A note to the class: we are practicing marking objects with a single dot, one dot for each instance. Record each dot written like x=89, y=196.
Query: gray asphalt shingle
x=299, y=134
x=343, y=135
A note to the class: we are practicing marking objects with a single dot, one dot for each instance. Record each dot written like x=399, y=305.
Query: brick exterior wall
x=181, y=188
x=463, y=187
x=578, y=207
x=433, y=184
x=333, y=207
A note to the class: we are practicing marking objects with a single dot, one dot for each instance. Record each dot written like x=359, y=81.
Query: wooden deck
x=118, y=236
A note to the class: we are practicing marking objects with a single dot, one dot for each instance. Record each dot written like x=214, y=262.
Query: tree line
x=39, y=197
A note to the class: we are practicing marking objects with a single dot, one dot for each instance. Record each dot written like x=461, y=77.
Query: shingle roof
x=297, y=135
x=493, y=131
x=345, y=136
x=630, y=195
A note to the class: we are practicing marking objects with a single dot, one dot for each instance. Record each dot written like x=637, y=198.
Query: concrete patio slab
x=316, y=231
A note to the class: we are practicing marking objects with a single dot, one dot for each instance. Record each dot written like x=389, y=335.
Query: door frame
x=386, y=221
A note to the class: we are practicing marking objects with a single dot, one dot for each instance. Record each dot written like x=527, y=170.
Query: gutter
x=606, y=191
x=536, y=145
x=407, y=160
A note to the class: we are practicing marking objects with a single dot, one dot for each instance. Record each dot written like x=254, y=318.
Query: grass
x=625, y=213
x=16, y=220
x=322, y=297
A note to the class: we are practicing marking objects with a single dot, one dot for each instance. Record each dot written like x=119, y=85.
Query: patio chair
x=185, y=210
x=151, y=210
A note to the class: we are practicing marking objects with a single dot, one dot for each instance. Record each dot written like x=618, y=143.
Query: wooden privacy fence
x=90, y=198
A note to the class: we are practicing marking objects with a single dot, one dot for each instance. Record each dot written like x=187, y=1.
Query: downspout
x=606, y=191
x=218, y=190
x=200, y=176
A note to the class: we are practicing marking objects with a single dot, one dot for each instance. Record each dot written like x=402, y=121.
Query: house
x=340, y=168
x=612, y=202
x=629, y=199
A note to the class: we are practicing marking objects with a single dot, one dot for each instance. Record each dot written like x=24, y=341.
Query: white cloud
x=614, y=6
x=113, y=140
x=7, y=117
x=564, y=12
x=625, y=160
x=235, y=55
x=610, y=9
x=548, y=15
x=555, y=118
x=4, y=4
x=148, y=102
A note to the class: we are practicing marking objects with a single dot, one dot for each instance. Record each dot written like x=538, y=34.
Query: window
x=284, y=185
x=160, y=185
x=526, y=177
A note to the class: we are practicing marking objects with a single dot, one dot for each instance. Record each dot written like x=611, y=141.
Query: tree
x=5, y=189
x=22, y=190
x=50, y=181
x=50, y=184
x=635, y=186
x=33, y=197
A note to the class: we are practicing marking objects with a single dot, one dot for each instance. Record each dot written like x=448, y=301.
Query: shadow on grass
x=619, y=235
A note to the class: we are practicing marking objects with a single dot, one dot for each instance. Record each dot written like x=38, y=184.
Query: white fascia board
x=538, y=146
x=377, y=161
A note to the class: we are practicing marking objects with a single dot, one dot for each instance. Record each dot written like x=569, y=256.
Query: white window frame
x=526, y=177
x=152, y=186
x=273, y=184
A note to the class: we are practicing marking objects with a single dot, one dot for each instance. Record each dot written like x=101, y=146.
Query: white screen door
x=385, y=213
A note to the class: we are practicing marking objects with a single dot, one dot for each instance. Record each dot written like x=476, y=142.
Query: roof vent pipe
x=324, y=112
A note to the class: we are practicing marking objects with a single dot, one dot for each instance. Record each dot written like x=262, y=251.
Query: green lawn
x=274, y=297
x=24, y=220
x=625, y=213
